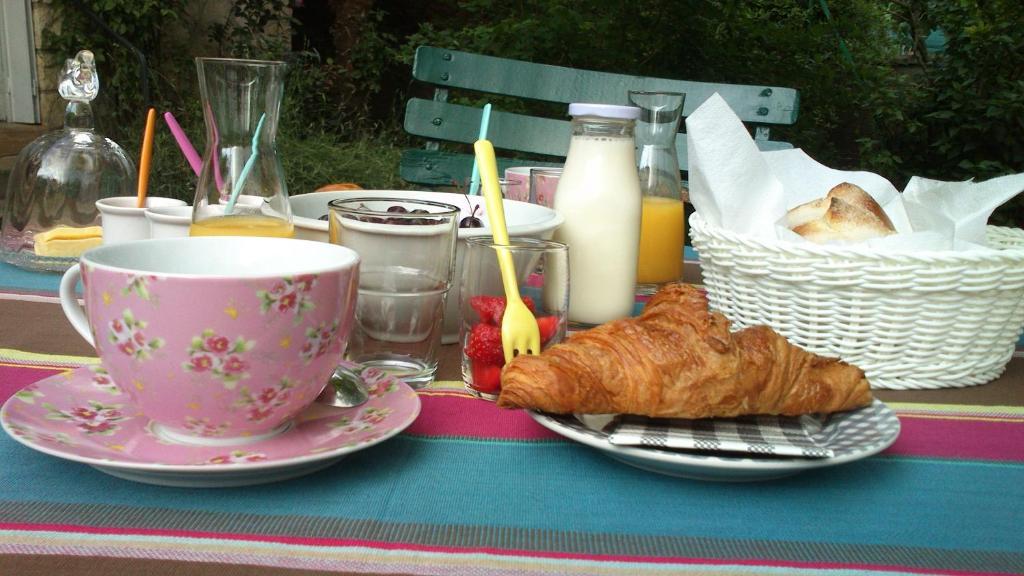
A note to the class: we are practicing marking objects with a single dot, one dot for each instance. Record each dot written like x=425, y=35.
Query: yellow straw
x=147, y=156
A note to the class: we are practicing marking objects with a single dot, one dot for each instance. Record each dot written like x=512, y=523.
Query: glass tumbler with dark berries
x=407, y=258
x=542, y=271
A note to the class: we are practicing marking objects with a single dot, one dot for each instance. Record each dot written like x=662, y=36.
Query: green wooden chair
x=439, y=121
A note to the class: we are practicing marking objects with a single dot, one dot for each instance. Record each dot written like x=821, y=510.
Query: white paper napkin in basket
x=735, y=186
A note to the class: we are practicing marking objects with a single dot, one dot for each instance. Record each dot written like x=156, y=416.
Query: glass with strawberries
x=542, y=271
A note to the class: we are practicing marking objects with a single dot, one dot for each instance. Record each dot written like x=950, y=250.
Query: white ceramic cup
x=124, y=221
x=520, y=182
x=169, y=221
x=520, y=177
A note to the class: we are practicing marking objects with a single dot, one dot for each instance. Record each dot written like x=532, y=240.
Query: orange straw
x=147, y=155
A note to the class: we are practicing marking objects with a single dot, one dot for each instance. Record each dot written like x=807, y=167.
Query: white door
x=18, y=89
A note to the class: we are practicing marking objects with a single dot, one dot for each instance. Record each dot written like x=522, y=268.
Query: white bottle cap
x=604, y=110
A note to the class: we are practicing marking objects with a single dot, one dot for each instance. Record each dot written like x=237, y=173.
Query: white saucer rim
x=220, y=480
x=210, y=468
x=738, y=463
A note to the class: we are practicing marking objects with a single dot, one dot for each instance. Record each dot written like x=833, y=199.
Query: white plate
x=857, y=434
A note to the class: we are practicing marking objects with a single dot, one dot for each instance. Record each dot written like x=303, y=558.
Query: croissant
x=678, y=360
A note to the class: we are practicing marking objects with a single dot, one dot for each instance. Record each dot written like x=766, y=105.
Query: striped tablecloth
x=19, y=284
x=472, y=489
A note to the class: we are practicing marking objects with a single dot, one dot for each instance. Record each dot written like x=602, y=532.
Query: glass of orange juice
x=662, y=226
x=241, y=189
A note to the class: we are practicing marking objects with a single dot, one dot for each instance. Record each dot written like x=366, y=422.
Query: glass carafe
x=241, y=190
x=50, y=217
x=662, y=228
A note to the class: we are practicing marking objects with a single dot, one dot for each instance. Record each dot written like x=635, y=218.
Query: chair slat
x=508, y=131
x=514, y=134
x=455, y=69
x=443, y=168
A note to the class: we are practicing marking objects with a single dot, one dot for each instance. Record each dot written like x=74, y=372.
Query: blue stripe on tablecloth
x=689, y=254
x=13, y=278
x=17, y=279
x=564, y=487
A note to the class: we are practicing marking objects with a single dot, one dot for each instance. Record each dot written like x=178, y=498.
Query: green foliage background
x=867, y=100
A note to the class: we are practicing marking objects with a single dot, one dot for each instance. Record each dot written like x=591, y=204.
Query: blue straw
x=474, y=180
x=230, y=207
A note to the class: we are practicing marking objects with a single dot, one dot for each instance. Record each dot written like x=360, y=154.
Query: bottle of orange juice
x=662, y=226
x=241, y=189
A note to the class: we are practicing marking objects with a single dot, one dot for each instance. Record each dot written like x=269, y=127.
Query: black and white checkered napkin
x=804, y=436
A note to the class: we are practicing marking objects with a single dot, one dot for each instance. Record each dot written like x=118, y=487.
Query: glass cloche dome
x=50, y=217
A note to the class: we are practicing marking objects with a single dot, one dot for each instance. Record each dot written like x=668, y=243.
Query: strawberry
x=489, y=308
x=529, y=304
x=486, y=377
x=548, y=326
x=492, y=308
x=484, y=345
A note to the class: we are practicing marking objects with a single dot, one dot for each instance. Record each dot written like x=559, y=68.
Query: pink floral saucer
x=82, y=416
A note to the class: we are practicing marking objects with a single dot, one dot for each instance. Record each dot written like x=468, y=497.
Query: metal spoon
x=345, y=389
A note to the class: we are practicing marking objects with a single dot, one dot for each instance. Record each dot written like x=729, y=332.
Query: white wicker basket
x=937, y=319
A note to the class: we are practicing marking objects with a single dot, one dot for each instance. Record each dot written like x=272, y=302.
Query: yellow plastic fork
x=519, y=331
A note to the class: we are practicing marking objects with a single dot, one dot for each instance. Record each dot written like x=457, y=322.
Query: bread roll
x=847, y=213
x=338, y=186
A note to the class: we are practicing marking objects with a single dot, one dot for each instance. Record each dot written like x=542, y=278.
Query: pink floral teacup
x=217, y=340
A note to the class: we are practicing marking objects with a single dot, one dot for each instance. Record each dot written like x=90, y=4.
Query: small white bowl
x=521, y=218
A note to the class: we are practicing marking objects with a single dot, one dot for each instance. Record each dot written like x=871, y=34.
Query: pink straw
x=186, y=147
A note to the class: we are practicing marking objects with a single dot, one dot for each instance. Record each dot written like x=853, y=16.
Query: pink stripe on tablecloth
x=14, y=378
x=27, y=296
x=464, y=416
x=962, y=438
x=452, y=550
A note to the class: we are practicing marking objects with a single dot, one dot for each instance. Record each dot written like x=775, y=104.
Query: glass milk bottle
x=662, y=227
x=599, y=196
